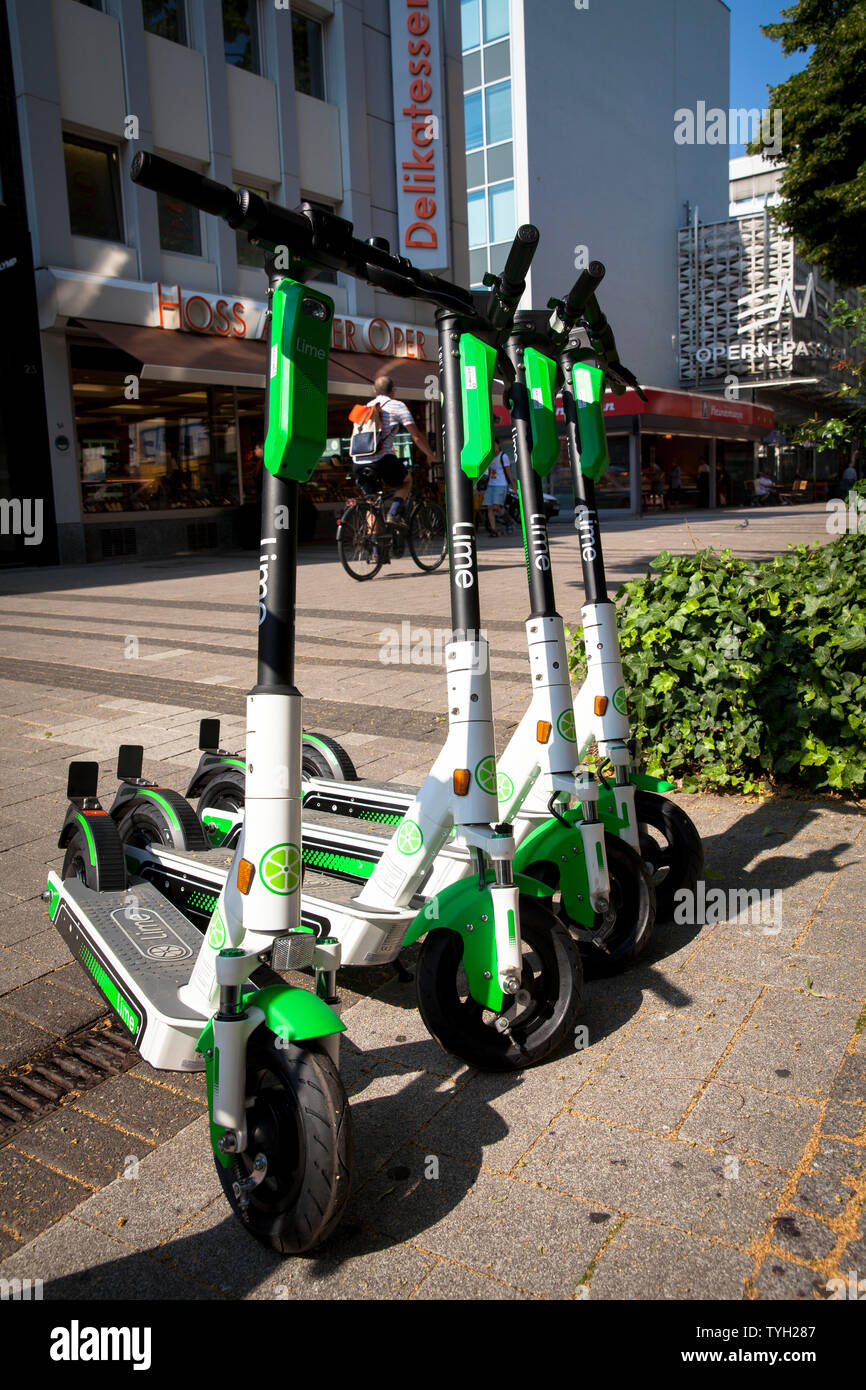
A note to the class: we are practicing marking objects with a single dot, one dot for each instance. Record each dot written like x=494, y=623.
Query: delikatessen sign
x=419, y=94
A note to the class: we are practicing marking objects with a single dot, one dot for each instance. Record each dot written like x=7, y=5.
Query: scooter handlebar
x=163, y=176
x=583, y=290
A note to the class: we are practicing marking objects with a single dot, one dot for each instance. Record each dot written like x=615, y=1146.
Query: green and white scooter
x=498, y=978
x=279, y=1119
x=603, y=894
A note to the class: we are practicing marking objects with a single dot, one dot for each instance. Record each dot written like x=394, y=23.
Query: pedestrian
x=849, y=478
x=764, y=488
x=722, y=486
x=704, y=482
x=675, y=485
x=499, y=480
x=384, y=469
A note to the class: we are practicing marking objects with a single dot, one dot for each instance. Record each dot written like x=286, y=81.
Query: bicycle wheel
x=356, y=547
x=427, y=538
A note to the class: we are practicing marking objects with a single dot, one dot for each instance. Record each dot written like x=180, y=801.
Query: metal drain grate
x=32, y=1090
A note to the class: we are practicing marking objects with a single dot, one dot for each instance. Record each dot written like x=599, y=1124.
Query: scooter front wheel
x=533, y=1024
x=225, y=793
x=613, y=940
x=298, y=1120
x=671, y=847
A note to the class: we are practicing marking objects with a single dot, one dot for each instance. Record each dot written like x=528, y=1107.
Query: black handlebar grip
x=584, y=289
x=520, y=256
x=164, y=176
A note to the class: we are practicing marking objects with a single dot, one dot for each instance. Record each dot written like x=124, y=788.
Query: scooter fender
x=561, y=846
x=467, y=909
x=645, y=783
x=210, y=765
x=295, y=1015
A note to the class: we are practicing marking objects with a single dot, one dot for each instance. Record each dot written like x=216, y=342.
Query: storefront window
x=309, y=54
x=165, y=18
x=94, y=190
x=179, y=226
x=173, y=447
x=239, y=34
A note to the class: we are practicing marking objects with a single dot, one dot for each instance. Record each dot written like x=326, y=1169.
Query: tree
x=823, y=115
x=845, y=430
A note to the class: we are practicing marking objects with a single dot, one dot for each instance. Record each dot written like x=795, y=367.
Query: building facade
x=571, y=114
x=754, y=323
x=152, y=314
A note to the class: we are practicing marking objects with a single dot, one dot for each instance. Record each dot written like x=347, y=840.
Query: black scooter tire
x=552, y=973
x=299, y=1119
x=677, y=865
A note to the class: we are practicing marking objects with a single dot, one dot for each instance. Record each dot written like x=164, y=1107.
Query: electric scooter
x=603, y=893
x=498, y=978
x=280, y=1127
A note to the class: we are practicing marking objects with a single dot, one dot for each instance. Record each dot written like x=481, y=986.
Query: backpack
x=367, y=430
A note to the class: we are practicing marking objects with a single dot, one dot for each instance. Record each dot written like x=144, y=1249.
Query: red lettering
x=425, y=208
x=422, y=66
x=418, y=23
x=221, y=319
x=337, y=333
x=382, y=351
x=422, y=343
x=350, y=335
x=417, y=46
x=399, y=342
x=419, y=90
x=413, y=244
x=410, y=342
x=168, y=304
x=238, y=316
x=198, y=327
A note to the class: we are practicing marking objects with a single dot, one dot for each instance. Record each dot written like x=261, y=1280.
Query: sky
x=757, y=62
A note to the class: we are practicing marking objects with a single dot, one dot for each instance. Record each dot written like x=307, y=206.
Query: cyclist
x=385, y=470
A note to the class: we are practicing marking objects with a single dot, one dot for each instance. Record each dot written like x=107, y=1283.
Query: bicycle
x=367, y=537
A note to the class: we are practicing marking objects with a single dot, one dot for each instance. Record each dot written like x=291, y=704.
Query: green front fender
x=561, y=846
x=466, y=908
x=645, y=783
x=291, y=1013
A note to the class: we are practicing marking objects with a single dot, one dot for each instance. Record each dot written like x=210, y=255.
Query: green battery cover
x=477, y=368
x=540, y=373
x=300, y=346
x=588, y=386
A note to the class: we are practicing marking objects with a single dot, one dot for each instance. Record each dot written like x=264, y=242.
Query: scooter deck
x=139, y=950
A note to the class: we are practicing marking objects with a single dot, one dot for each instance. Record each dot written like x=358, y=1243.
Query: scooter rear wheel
x=537, y=1026
x=299, y=1119
x=225, y=793
x=671, y=846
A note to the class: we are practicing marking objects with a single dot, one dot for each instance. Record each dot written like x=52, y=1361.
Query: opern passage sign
x=419, y=90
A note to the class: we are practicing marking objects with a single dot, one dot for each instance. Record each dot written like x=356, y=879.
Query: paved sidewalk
x=709, y=1141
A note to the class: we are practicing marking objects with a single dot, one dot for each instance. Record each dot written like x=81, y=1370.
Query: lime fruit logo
x=504, y=787
x=485, y=775
x=618, y=700
x=216, y=934
x=565, y=725
x=280, y=869
x=409, y=837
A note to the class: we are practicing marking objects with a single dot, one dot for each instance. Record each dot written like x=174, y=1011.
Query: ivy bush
x=742, y=673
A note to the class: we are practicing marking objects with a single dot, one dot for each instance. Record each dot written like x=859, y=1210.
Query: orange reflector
x=600, y=704
x=461, y=779
x=542, y=731
x=245, y=876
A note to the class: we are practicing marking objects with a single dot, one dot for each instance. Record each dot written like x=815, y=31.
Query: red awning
x=208, y=360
